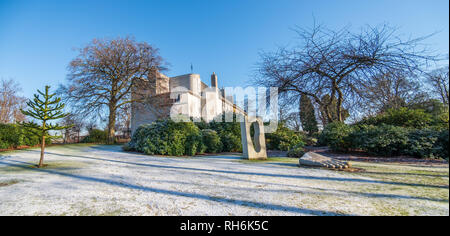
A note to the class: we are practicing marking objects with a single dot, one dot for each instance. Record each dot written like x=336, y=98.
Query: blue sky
x=38, y=38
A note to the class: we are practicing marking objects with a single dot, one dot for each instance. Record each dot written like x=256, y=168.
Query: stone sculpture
x=254, y=148
x=316, y=160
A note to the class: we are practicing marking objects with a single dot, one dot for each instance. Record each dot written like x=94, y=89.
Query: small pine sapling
x=45, y=109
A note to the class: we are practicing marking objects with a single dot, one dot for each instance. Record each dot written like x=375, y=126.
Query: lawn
x=104, y=180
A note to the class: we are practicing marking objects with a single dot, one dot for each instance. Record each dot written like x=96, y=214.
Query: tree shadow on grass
x=411, y=174
x=253, y=204
x=337, y=193
x=108, y=148
x=260, y=174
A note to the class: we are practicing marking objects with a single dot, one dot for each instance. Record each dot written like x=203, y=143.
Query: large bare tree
x=335, y=64
x=11, y=102
x=439, y=81
x=74, y=124
x=389, y=90
x=105, y=72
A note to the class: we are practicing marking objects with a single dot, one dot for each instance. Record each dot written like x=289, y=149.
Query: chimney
x=214, y=80
x=228, y=97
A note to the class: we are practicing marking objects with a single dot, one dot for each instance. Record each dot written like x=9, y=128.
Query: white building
x=184, y=94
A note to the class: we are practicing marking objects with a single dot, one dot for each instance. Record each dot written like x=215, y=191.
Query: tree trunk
x=41, y=161
x=111, y=125
x=339, y=105
x=328, y=114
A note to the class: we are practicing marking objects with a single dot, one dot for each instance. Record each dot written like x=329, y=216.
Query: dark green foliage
x=194, y=144
x=441, y=145
x=126, y=147
x=282, y=139
x=211, y=140
x=166, y=137
x=9, y=137
x=437, y=109
x=310, y=141
x=307, y=115
x=13, y=136
x=231, y=142
x=229, y=133
x=403, y=117
x=45, y=109
x=297, y=151
x=96, y=136
x=384, y=140
x=335, y=135
x=422, y=143
x=202, y=125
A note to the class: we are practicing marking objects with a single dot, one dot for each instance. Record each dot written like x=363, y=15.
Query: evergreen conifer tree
x=45, y=109
x=307, y=115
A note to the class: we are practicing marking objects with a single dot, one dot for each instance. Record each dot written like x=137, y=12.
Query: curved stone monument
x=253, y=148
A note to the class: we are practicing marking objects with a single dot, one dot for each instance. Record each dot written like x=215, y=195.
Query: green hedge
x=229, y=133
x=386, y=140
x=441, y=145
x=96, y=136
x=283, y=138
x=404, y=117
x=297, y=151
x=335, y=135
x=211, y=140
x=166, y=137
x=13, y=136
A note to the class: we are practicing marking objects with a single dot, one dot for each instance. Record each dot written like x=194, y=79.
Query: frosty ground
x=104, y=180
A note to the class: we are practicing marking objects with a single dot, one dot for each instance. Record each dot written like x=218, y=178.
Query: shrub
x=230, y=142
x=282, y=139
x=385, y=140
x=166, y=137
x=309, y=140
x=437, y=109
x=388, y=140
x=441, y=145
x=211, y=140
x=297, y=151
x=194, y=144
x=9, y=136
x=126, y=147
x=13, y=136
x=422, y=143
x=358, y=136
x=335, y=135
x=396, y=132
x=96, y=136
x=229, y=133
x=404, y=117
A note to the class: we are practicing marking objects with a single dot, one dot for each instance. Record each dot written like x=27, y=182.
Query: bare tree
x=105, y=72
x=293, y=121
x=11, y=102
x=389, y=90
x=90, y=125
x=74, y=124
x=335, y=64
x=438, y=79
x=124, y=121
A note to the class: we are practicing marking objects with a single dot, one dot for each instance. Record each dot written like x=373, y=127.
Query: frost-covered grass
x=104, y=180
